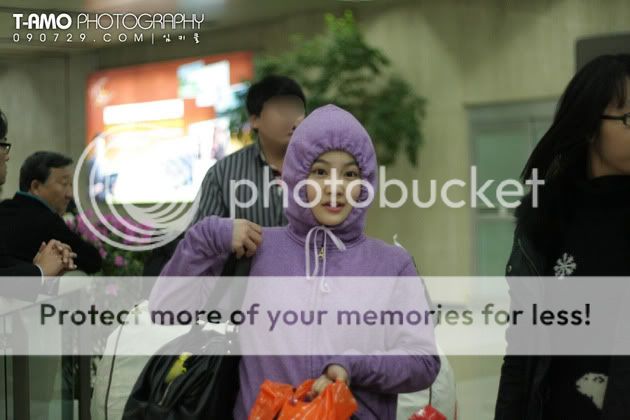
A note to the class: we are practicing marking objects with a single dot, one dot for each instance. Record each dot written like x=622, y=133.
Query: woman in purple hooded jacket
x=328, y=140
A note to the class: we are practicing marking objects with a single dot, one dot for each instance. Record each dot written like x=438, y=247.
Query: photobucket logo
x=244, y=193
x=136, y=227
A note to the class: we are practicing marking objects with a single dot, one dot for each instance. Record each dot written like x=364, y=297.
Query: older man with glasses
x=54, y=258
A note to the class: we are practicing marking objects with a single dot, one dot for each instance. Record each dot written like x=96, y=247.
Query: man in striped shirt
x=276, y=105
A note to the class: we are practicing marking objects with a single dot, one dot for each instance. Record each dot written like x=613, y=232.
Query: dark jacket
x=26, y=222
x=523, y=388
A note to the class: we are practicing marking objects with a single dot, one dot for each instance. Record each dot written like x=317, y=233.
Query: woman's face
x=610, y=152
x=333, y=207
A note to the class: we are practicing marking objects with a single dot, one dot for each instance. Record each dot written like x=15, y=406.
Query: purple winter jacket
x=375, y=381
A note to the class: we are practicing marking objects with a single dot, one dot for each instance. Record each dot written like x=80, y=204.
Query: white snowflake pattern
x=565, y=266
x=593, y=386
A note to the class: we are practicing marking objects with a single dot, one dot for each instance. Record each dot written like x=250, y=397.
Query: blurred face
x=610, y=152
x=4, y=158
x=332, y=207
x=57, y=190
x=279, y=118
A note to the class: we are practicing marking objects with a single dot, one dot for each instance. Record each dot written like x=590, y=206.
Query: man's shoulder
x=6, y=203
x=9, y=201
x=249, y=152
x=13, y=217
x=27, y=213
x=17, y=203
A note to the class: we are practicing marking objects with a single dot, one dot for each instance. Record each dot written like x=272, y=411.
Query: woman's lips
x=335, y=210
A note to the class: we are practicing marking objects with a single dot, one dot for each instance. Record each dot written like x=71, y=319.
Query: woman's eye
x=319, y=172
x=352, y=174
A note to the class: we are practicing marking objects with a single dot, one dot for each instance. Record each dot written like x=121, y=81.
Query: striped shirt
x=248, y=164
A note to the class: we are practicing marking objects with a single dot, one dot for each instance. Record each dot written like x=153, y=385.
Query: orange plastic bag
x=270, y=400
x=335, y=403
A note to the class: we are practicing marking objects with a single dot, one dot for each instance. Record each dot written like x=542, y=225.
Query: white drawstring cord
x=307, y=256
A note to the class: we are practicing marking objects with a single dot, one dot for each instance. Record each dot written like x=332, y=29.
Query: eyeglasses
x=625, y=118
x=5, y=147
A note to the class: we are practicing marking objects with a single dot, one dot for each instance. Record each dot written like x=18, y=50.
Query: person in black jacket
x=52, y=259
x=33, y=215
x=579, y=227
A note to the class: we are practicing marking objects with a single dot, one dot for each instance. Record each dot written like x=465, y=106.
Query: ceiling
x=217, y=14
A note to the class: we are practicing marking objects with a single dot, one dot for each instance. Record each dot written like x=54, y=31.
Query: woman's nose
x=339, y=186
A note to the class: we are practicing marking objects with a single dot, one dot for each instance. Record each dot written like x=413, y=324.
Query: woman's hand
x=333, y=373
x=246, y=237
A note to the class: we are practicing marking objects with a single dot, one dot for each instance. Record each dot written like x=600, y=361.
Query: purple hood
x=327, y=128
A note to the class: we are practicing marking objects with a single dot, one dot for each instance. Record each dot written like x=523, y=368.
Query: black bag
x=208, y=388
